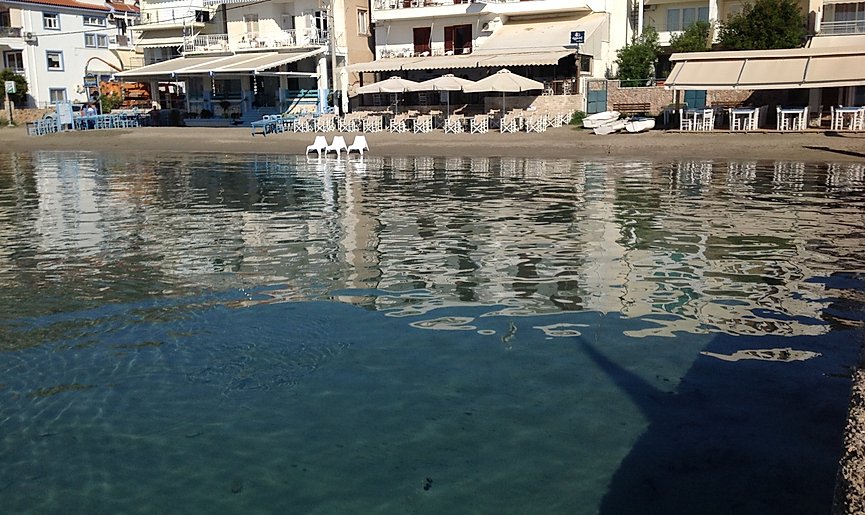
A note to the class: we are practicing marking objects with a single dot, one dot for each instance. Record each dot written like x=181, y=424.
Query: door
x=421, y=36
x=596, y=96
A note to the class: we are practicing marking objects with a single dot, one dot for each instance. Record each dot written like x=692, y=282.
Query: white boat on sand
x=611, y=127
x=639, y=124
x=597, y=119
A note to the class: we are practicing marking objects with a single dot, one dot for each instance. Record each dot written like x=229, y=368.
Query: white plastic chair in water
x=337, y=146
x=358, y=144
x=319, y=145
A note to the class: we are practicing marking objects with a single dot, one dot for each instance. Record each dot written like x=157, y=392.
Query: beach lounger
x=359, y=144
x=319, y=145
x=337, y=146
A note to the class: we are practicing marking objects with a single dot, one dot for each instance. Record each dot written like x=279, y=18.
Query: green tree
x=763, y=25
x=20, y=95
x=694, y=39
x=636, y=62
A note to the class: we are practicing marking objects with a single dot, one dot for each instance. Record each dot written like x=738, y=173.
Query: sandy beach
x=558, y=143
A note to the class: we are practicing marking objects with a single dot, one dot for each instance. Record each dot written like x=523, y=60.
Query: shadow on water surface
x=737, y=437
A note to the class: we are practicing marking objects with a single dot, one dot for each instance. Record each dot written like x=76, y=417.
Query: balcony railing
x=283, y=39
x=10, y=32
x=381, y=5
x=830, y=28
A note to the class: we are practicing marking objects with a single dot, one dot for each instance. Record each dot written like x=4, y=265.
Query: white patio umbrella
x=505, y=82
x=448, y=82
x=389, y=85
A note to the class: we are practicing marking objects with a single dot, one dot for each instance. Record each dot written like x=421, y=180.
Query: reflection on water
x=130, y=280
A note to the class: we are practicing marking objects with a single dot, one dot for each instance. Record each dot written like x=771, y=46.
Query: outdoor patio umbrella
x=389, y=85
x=448, y=82
x=505, y=82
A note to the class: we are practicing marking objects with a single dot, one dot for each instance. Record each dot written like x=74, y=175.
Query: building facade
x=247, y=58
x=54, y=44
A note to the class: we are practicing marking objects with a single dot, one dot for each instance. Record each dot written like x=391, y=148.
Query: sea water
x=271, y=334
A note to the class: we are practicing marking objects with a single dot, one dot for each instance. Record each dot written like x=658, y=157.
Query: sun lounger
x=337, y=146
x=319, y=145
x=359, y=144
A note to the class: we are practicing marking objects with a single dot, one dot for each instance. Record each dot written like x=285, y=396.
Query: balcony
x=10, y=32
x=837, y=28
x=294, y=38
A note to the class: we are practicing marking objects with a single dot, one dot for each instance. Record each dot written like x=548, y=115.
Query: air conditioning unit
x=29, y=37
x=110, y=17
x=649, y=7
x=485, y=27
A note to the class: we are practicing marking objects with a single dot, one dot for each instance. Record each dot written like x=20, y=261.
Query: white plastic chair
x=319, y=145
x=358, y=144
x=337, y=146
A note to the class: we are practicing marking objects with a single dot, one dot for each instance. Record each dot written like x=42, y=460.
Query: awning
x=768, y=69
x=209, y=3
x=435, y=62
x=252, y=62
x=152, y=39
x=540, y=35
x=846, y=40
x=524, y=59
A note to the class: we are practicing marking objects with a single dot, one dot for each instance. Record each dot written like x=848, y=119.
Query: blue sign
x=90, y=81
x=578, y=37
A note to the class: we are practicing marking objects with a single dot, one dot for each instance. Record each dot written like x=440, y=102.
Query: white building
x=55, y=43
x=248, y=58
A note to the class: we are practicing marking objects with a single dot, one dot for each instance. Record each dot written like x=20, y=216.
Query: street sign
x=578, y=37
x=90, y=81
x=10, y=86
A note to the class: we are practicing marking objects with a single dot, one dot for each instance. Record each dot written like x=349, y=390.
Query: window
x=51, y=21
x=98, y=21
x=14, y=61
x=362, y=21
x=57, y=95
x=55, y=60
x=251, y=21
x=458, y=39
x=95, y=40
x=681, y=19
x=421, y=40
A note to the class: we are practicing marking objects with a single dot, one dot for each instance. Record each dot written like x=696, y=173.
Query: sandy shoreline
x=559, y=143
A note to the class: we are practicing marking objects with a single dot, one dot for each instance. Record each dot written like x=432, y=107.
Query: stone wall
x=658, y=97
x=551, y=103
x=22, y=116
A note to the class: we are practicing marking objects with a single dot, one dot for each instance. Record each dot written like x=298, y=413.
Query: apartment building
x=54, y=44
x=248, y=58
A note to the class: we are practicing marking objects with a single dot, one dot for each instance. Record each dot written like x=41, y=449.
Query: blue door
x=596, y=96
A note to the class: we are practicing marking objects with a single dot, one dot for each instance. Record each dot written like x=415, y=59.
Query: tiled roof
x=103, y=7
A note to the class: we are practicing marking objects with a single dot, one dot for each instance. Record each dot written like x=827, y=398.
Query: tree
x=694, y=39
x=20, y=95
x=763, y=25
x=636, y=62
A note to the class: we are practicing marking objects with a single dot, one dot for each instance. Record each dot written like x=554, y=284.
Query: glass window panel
x=674, y=20
x=689, y=16
x=703, y=14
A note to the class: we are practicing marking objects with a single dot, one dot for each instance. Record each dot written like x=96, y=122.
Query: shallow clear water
x=257, y=334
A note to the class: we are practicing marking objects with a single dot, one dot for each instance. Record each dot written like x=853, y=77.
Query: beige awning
x=435, y=62
x=846, y=40
x=166, y=68
x=252, y=62
x=540, y=35
x=159, y=39
x=551, y=57
x=769, y=69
